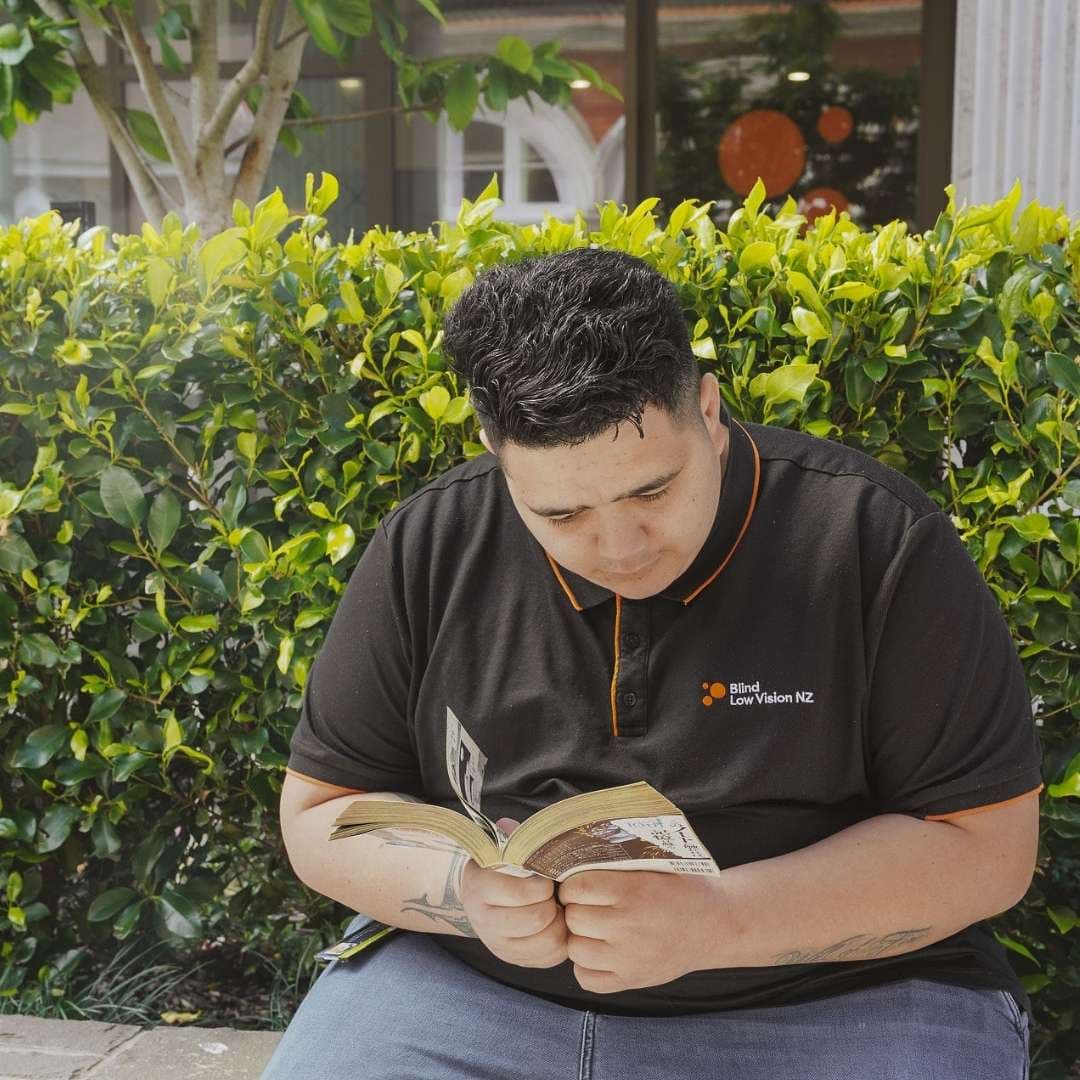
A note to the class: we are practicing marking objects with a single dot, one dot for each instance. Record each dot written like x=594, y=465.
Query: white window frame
x=561, y=139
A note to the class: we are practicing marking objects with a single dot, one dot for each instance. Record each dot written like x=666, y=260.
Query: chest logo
x=741, y=693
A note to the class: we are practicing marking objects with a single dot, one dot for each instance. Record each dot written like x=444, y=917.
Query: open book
x=631, y=827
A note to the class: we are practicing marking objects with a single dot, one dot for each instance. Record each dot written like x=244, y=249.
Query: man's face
x=576, y=500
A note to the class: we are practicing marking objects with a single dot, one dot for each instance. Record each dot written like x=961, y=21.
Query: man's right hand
x=517, y=918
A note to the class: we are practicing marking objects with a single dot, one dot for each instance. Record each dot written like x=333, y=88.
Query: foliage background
x=198, y=438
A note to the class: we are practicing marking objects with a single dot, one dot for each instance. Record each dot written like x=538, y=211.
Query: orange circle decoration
x=820, y=200
x=835, y=124
x=765, y=143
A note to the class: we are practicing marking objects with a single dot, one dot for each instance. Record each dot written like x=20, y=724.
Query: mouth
x=632, y=573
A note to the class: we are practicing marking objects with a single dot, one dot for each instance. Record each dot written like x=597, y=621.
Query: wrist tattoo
x=449, y=908
x=859, y=947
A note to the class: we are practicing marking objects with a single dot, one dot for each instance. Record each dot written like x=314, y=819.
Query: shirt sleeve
x=353, y=728
x=950, y=724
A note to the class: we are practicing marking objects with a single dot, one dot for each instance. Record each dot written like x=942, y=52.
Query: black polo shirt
x=832, y=654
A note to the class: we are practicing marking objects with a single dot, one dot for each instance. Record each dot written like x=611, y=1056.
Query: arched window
x=544, y=157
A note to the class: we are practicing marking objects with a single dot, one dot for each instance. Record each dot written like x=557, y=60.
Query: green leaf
x=39, y=649
x=122, y=496
x=318, y=22
x=462, y=93
x=1064, y=371
x=458, y=410
x=197, y=623
x=351, y=17
x=515, y=53
x=180, y=915
x=327, y=194
x=285, y=654
x=218, y=254
x=755, y=198
x=339, y=542
x=435, y=401
x=808, y=324
x=788, y=383
x=15, y=43
x=315, y=316
x=759, y=253
x=16, y=555
x=432, y=9
x=1016, y=947
x=107, y=703
x=40, y=746
x=144, y=129
x=159, y=274
x=381, y=454
x=852, y=290
x=164, y=519
x=55, y=826
x=109, y=903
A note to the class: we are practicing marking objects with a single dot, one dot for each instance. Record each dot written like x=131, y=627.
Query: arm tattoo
x=859, y=947
x=449, y=909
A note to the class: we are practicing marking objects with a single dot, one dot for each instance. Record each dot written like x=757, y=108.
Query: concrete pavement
x=32, y=1048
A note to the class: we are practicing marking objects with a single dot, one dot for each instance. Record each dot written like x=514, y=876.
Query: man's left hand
x=634, y=928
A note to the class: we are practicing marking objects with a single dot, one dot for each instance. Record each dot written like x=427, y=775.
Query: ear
x=484, y=440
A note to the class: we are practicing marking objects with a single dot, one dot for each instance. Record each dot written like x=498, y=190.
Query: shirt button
x=633, y=641
x=629, y=698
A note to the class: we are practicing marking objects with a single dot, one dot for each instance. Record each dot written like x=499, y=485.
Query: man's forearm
x=403, y=878
x=884, y=886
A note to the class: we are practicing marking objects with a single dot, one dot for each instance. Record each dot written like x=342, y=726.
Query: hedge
x=198, y=438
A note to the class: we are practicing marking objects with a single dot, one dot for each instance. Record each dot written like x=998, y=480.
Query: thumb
x=507, y=824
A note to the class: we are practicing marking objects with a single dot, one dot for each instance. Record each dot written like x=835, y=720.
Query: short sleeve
x=950, y=724
x=353, y=728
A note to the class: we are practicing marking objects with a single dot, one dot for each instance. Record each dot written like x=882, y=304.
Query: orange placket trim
x=746, y=520
x=562, y=582
x=615, y=674
x=981, y=809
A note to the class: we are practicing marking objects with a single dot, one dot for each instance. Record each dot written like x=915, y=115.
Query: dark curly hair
x=557, y=349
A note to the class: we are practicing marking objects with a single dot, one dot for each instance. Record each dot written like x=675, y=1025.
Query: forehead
x=621, y=447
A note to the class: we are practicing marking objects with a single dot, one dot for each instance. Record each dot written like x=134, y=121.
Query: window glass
x=819, y=99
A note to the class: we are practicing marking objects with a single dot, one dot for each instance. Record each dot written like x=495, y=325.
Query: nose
x=623, y=551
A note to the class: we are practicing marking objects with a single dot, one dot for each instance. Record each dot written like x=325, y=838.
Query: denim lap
x=409, y=1009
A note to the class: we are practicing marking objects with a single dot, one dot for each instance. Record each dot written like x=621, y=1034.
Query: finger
x=587, y=920
x=502, y=890
x=598, y=982
x=507, y=824
x=590, y=952
x=529, y=920
x=593, y=887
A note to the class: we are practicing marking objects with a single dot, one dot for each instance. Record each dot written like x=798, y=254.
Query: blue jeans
x=408, y=1010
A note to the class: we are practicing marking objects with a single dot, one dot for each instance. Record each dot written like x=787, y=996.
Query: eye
x=651, y=497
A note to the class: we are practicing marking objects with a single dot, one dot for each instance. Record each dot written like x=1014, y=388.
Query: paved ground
x=36, y=1049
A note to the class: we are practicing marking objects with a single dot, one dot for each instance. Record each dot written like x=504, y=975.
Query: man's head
x=580, y=370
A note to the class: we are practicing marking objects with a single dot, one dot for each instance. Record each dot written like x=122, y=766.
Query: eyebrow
x=660, y=481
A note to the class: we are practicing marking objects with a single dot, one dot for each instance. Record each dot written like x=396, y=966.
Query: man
x=781, y=634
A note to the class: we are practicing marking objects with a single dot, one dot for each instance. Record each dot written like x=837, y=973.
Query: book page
x=465, y=768
x=666, y=843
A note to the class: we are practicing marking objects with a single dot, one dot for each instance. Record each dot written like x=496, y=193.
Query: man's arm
x=404, y=878
x=884, y=886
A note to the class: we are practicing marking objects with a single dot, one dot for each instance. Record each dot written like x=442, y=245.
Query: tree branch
x=282, y=42
x=204, y=66
x=152, y=86
x=281, y=77
x=149, y=189
x=258, y=62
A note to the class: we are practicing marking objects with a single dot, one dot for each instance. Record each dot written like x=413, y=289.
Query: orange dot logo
x=713, y=692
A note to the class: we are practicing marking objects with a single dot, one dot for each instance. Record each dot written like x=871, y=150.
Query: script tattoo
x=449, y=909
x=859, y=947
